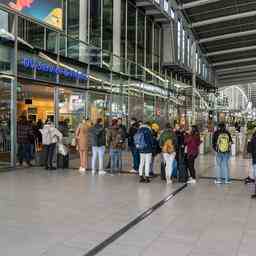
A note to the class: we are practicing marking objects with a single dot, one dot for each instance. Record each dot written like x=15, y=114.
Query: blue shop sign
x=43, y=67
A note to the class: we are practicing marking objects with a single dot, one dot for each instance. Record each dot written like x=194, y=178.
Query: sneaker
x=133, y=171
x=191, y=181
x=253, y=196
x=93, y=172
x=142, y=179
x=218, y=182
x=82, y=170
x=228, y=182
x=168, y=181
x=249, y=180
x=102, y=172
x=147, y=180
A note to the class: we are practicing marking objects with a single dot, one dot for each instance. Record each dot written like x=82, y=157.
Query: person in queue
x=98, y=140
x=24, y=135
x=82, y=143
x=222, y=142
x=115, y=140
x=167, y=142
x=135, y=152
x=50, y=136
x=192, y=142
x=253, y=153
x=143, y=140
x=156, y=148
x=180, y=146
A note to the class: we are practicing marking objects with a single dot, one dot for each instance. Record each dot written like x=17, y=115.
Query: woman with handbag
x=82, y=143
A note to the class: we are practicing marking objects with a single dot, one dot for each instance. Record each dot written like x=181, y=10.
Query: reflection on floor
x=62, y=213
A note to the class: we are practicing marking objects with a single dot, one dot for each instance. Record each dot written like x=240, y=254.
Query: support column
x=83, y=28
x=193, y=120
x=116, y=33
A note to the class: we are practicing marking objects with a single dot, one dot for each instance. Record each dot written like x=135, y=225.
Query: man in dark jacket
x=98, y=139
x=135, y=152
x=221, y=143
x=24, y=135
x=144, y=143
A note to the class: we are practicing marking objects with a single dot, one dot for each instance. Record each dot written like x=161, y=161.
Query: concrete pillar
x=83, y=30
x=117, y=34
x=193, y=120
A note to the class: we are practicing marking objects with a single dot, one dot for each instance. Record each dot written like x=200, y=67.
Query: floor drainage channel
x=133, y=223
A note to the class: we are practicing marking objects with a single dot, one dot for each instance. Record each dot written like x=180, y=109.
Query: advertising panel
x=47, y=11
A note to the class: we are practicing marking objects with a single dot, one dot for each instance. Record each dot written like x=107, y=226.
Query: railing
x=5, y=145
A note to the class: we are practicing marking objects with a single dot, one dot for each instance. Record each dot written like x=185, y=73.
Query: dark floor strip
x=133, y=223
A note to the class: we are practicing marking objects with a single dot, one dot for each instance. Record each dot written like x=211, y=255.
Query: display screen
x=48, y=11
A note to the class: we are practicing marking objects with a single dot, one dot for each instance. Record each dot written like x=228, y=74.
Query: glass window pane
x=95, y=22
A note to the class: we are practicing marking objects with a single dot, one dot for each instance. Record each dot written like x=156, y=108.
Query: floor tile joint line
x=133, y=223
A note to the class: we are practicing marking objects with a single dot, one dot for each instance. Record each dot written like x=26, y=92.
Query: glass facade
x=67, y=74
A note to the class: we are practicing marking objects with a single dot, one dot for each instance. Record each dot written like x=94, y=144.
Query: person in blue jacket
x=144, y=142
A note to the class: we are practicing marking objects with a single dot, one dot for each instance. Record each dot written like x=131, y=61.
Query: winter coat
x=253, y=149
x=192, y=142
x=50, y=135
x=98, y=135
x=149, y=141
x=82, y=136
x=132, y=131
x=116, y=137
x=24, y=133
x=216, y=136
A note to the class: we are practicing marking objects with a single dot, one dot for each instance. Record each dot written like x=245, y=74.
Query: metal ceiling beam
x=236, y=69
x=241, y=49
x=197, y=3
x=223, y=19
x=144, y=3
x=153, y=12
x=230, y=62
x=243, y=75
x=227, y=36
x=228, y=80
x=235, y=82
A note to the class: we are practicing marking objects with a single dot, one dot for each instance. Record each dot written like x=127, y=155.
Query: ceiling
x=226, y=33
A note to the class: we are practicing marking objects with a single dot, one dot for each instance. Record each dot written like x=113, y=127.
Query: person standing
x=24, y=135
x=143, y=140
x=98, y=138
x=50, y=137
x=192, y=141
x=115, y=140
x=253, y=152
x=135, y=152
x=156, y=148
x=167, y=142
x=82, y=143
x=222, y=142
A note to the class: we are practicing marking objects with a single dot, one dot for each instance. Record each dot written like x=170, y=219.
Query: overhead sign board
x=47, y=11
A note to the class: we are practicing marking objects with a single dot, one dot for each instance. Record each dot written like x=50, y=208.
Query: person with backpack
x=222, y=142
x=98, y=140
x=252, y=151
x=135, y=152
x=143, y=140
x=167, y=142
x=115, y=141
x=192, y=142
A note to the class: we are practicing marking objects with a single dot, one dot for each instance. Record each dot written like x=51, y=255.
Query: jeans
x=49, y=153
x=116, y=160
x=223, y=166
x=136, y=158
x=168, y=159
x=98, y=152
x=191, y=166
x=24, y=153
x=145, y=160
x=151, y=170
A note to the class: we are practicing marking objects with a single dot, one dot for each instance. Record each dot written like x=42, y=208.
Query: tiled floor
x=62, y=213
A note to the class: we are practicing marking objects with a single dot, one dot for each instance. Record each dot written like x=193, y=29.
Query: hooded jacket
x=98, y=136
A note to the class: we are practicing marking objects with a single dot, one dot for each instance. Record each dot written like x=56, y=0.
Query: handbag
x=62, y=149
